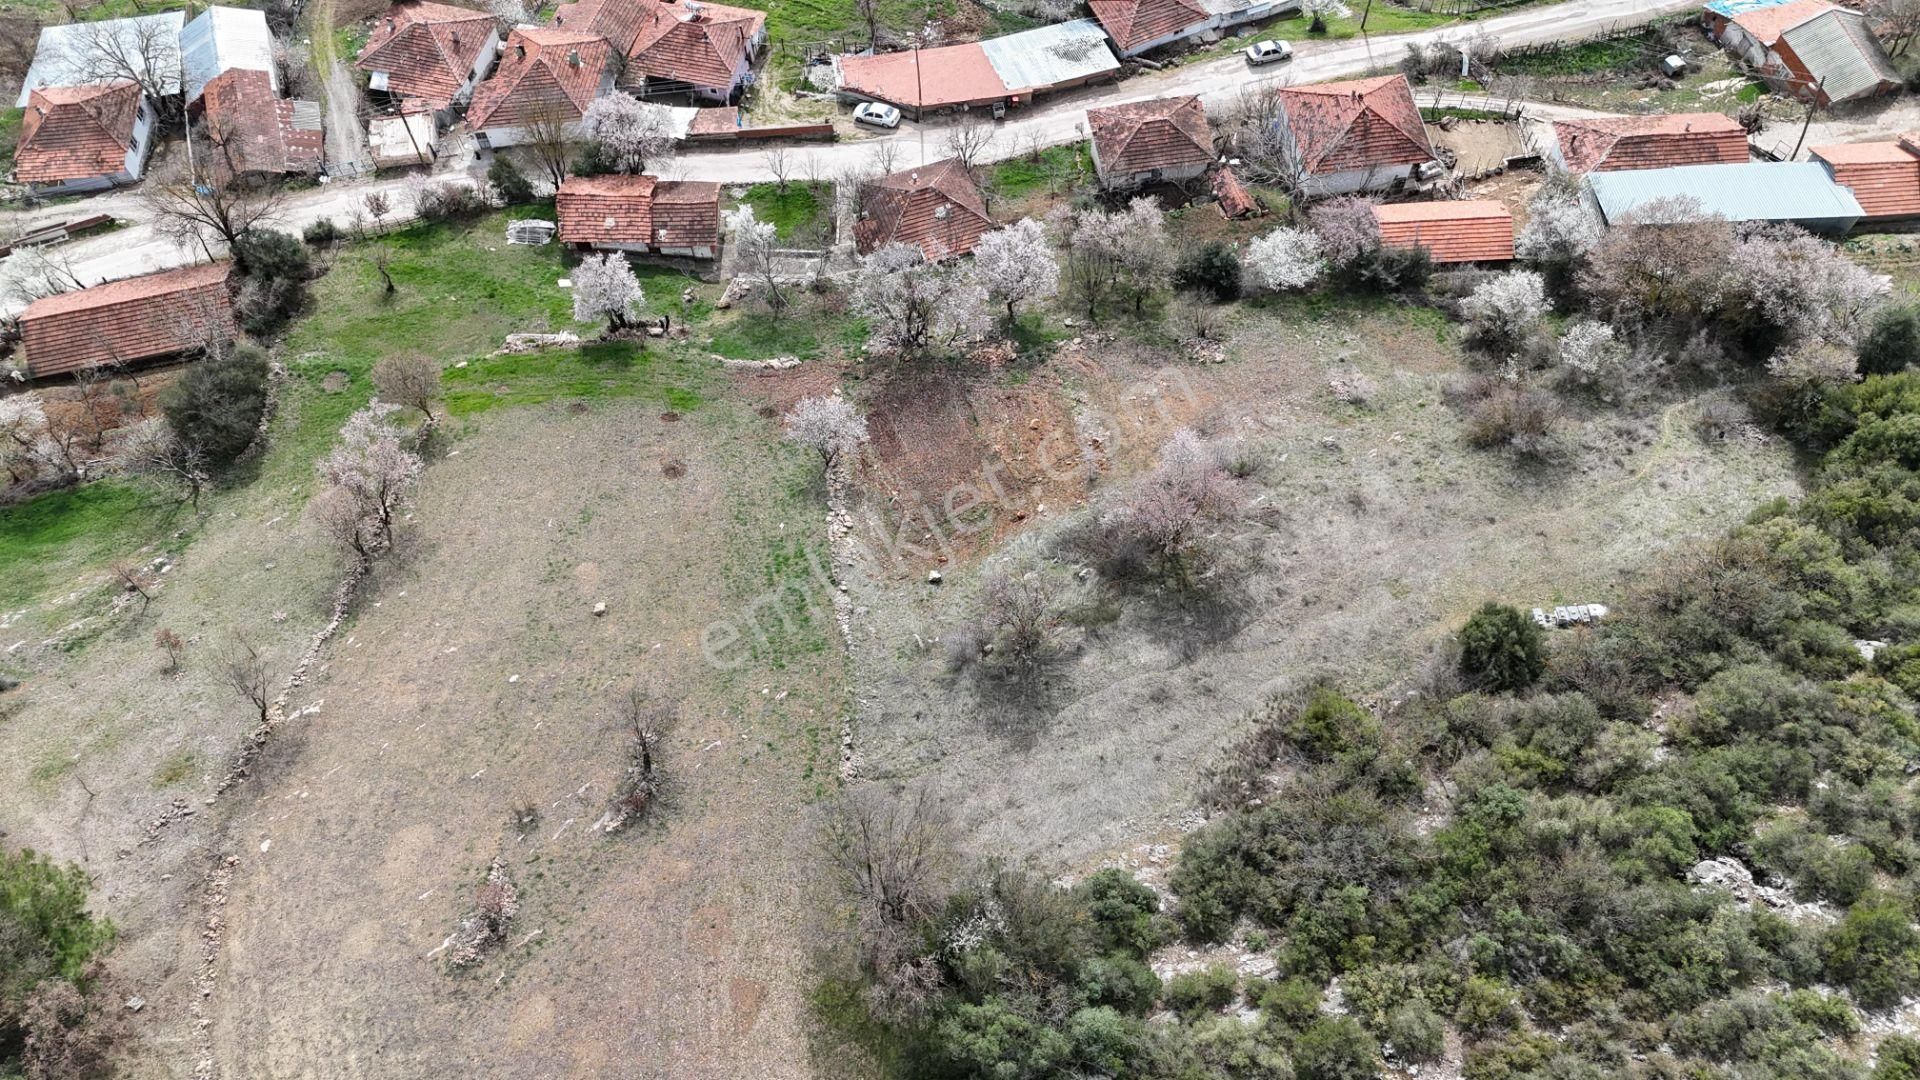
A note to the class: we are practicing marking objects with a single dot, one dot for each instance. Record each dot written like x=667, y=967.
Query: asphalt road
x=1056, y=120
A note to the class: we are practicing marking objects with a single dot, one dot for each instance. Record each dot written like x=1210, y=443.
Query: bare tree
x=969, y=140
x=780, y=164
x=244, y=671
x=640, y=787
x=144, y=51
x=408, y=379
x=204, y=211
x=382, y=263
x=171, y=646
x=869, y=11
x=551, y=135
x=893, y=855
x=885, y=157
x=1263, y=140
x=152, y=451
x=378, y=205
x=127, y=576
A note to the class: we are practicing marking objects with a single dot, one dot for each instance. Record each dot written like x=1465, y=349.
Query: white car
x=873, y=112
x=1268, y=52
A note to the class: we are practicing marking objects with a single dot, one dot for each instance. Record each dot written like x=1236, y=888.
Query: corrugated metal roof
x=221, y=39
x=1050, y=55
x=60, y=59
x=1730, y=8
x=1841, y=54
x=1756, y=191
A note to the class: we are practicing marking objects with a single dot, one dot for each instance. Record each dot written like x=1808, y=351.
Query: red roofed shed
x=1468, y=231
x=127, y=321
x=640, y=214
x=1139, y=25
x=1883, y=176
x=1605, y=144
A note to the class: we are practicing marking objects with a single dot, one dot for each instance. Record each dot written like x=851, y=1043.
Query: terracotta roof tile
x=936, y=208
x=714, y=123
x=619, y=21
x=257, y=129
x=638, y=211
x=541, y=70
x=1360, y=124
x=703, y=44
x=76, y=132
x=426, y=49
x=1883, y=176
x=1133, y=23
x=1235, y=200
x=925, y=78
x=1768, y=23
x=125, y=321
x=1474, y=230
x=1144, y=135
x=1650, y=142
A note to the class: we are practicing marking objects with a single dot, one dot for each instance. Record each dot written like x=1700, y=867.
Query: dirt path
x=347, y=151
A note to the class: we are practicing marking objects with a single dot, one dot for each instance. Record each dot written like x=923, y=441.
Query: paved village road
x=1055, y=120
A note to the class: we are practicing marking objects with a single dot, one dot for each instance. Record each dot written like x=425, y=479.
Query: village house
x=107, y=50
x=705, y=50
x=1145, y=142
x=433, y=53
x=125, y=322
x=84, y=138
x=1784, y=192
x=640, y=214
x=251, y=129
x=1883, y=176
x=1137, y=26
x=546, y=76
x=936, y=208
x=1361, y=135
x=1610, y=143
x=1003, y=71
x=222, y=39
x=1812, y=49
x=1450, y=232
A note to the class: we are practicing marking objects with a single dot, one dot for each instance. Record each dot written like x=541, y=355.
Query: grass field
x=53, y=539
x=801, y=207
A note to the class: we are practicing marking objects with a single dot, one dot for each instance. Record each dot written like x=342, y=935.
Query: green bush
x=271, y=271
x=1208, y=989
x=993, y=1041
x=46, y=934
x=1290, y=1004
x=1335, y=1048
x=1330, y=725
x=216, y=404
x=1874, y=951
x=1486, y=1007
x=1892, y=343
x=1898, y=1059
x=509, y=184
x=1213, y=269
x=1416, y=1032
x=1125, y=913
x=1502, y=648
x=320, y=232
x=1121, y=981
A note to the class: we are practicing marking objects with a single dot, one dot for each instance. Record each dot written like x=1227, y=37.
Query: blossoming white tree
x=604, y=288
x=1503, y=309
x=756, y=246
x=631, y=133
x=827, y=423
x=23, y=433
x=1591, y=352
x=1016, y=264
x=370, y=477
x=1286, y=258
x=912, y=305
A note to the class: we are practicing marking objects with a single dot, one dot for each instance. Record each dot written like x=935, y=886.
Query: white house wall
x=1346, y=183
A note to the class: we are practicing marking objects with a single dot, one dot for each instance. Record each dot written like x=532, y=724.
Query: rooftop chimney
x=519, y=50
x=573, y=57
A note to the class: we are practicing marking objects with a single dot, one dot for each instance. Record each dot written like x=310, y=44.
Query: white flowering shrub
x=1285, y=259
x=1504, y=309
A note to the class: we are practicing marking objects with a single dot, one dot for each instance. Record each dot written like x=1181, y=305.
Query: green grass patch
x=800, y=332
x=806, y=21
x=175, y=769
x=1431, y=115
x=1022, y=176
x=592, y=372
x=1751, y=93
x=47, y=541
x=799, y=207
x=9, y=136
x=1588, y=58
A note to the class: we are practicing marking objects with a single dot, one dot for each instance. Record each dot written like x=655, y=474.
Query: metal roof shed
x=1064, y=54
x=68, y=54
x=1842, y=55
x=221, y=39
x=1798, y=192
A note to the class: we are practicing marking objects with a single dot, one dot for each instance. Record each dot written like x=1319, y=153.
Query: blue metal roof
x=1730, y=8
x=1050, y=56
x=1798, y=191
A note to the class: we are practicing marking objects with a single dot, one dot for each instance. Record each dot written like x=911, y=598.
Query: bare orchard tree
x=756, y=247
x=1016, y=264
x=969, y=140
x=640, y=788
x=1896, y=21
x=245, y=672
x=631, y=133
x=42, y=270
x=410, y=380
x=604, y=287
x=912, y=305
x=142, y=51
x=1264, y=143
x=378, y=205
x=885, y=157
x=780, y=165
x=828, y=424
x=202, y=211
x=23, y=438
x=370, y=477
x=152, y=452
x=893, y=854
x=551, y=135
x=870, y=14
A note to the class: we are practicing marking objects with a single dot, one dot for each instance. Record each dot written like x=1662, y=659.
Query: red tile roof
x=1360, y=124
x=702, y=44
x=619, y=21
x=426, y=49
x=1474, y=230
x=723, y=122
x=1606, y=144
x=542, y=72
x=925, y=78
x=254, y=128
x=124, y=321
x=1144, y=135
x=1883, y=176
x=638, y=211
x=1768, y=23
x=1133, y=23
x=936, y=208
x=1235, y=201
x=76, y=132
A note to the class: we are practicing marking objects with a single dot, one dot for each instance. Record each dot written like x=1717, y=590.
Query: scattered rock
x=136, y=1003
x=600, y=608
x=1724, y=873
x=934, y=577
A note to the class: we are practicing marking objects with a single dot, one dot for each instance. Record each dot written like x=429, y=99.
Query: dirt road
x=347, y=152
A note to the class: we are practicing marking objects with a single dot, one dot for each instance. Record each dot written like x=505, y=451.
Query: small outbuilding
x=1145, y=142
x=1138, y=26
x=640, y=214
x=1006, y=71
x=1883, y=176
x=1790, y=192
x=1611, y=143
x=1463, y=231
x=405, y=137
x=129, y=321
x=1814, y=50
x=222, y=39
